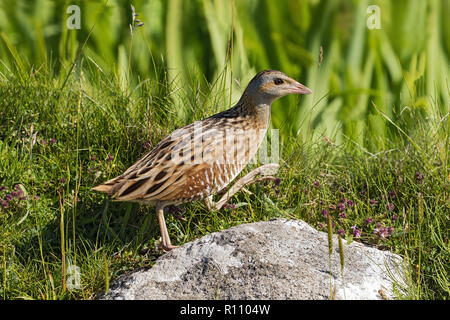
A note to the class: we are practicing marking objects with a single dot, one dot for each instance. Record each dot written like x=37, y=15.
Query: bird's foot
x=168, y=247
x=164, y=246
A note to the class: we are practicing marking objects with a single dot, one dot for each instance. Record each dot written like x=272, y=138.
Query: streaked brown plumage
x=202, y=158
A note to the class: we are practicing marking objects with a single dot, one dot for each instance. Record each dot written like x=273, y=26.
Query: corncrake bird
x=199, y=160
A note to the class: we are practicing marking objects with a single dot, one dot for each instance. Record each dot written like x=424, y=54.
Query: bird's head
x=269, y=85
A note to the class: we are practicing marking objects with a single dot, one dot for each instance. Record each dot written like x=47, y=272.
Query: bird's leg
x=209, y=202
x=249, y=178
x=248, y=191
x=166, y=245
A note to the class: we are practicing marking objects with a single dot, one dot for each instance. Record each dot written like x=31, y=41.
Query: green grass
x=56, y=144
x=402, y=64
x=79, y=107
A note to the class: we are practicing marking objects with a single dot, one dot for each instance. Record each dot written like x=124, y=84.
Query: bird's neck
x=254, y=108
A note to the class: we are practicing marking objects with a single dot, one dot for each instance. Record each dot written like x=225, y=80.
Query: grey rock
x=276, y=259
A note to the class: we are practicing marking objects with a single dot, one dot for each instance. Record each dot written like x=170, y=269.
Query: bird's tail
x=103, y=188
x=109, y=187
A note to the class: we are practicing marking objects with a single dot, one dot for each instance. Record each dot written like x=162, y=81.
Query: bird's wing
x=182, y=165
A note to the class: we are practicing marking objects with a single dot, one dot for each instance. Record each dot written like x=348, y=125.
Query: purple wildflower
x=341, y=206
x=171, y=209
x=43, y=142
x=356, y=232
x=350, y=203
x=392, y=194
x=277, y=181
x=175, y=211
x=230, y=206
x=325, y=213
x=394, y=218
x=147, y=145
x=110, y=157
x=369, y=220
x=342, y=215
x=372, y=202
x=384, y=233
x=316, y=184
x=52, y=140
x=390, y=206
x=419, y=176
x=93, y=158
x=62, y=180
x=341, y=232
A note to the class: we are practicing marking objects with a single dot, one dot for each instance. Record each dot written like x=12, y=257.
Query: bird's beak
x=298, y=88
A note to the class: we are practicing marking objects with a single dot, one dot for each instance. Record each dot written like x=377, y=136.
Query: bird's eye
x=278, y=81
